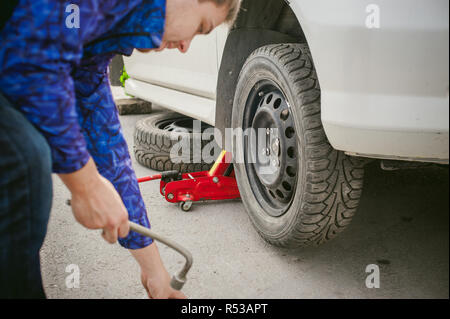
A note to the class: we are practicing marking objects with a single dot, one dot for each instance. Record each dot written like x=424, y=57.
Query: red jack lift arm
x=219, y=183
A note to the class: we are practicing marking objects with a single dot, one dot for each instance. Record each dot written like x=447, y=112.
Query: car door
x=194, y=72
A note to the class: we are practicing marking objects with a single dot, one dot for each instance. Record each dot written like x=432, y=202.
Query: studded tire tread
x=152, y=146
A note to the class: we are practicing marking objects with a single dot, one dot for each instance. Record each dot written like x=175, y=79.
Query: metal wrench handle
x=178, y=280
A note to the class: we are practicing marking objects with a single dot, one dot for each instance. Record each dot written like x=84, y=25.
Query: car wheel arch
x=260, y=23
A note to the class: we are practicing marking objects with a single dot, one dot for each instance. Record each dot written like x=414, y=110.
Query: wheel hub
x=267, y=164
x=275, y=156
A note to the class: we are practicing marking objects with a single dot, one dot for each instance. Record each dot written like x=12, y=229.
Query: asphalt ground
x=402, y=226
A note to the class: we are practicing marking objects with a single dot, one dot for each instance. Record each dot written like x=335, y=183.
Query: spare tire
x=154, y=140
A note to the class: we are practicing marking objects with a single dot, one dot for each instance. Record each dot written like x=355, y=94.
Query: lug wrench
x=179, y=279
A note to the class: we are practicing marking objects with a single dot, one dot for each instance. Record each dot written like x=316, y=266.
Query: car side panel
x=194, y=72
x=384, y=90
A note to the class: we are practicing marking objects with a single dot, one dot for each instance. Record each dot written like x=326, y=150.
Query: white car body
x=385, y=91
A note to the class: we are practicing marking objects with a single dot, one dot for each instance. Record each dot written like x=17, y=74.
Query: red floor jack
x=219, y=183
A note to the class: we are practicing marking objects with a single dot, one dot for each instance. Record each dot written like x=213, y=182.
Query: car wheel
x=304, y=192
x=154, y=140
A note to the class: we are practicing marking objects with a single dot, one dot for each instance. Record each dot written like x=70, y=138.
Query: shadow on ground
x=402, y=225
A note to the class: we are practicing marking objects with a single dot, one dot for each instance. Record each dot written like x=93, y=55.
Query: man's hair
x=233, y=9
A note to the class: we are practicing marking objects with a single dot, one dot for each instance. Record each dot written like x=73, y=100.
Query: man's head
x=188, y=18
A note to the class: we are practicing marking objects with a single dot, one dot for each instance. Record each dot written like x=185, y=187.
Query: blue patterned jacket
x=57, y=76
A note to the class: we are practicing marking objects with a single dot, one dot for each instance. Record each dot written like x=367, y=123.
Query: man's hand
x=96, y=203
x=154, y=276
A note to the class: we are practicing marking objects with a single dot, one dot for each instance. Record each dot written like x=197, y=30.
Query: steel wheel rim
x=267, y=108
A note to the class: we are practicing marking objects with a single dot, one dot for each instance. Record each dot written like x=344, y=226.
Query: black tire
x=328, y=183
x=152, y=144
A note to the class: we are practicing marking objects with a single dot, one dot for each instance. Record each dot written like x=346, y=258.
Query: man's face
x=188, y=18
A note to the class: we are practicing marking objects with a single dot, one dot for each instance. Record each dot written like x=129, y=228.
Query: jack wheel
x=186, y=206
